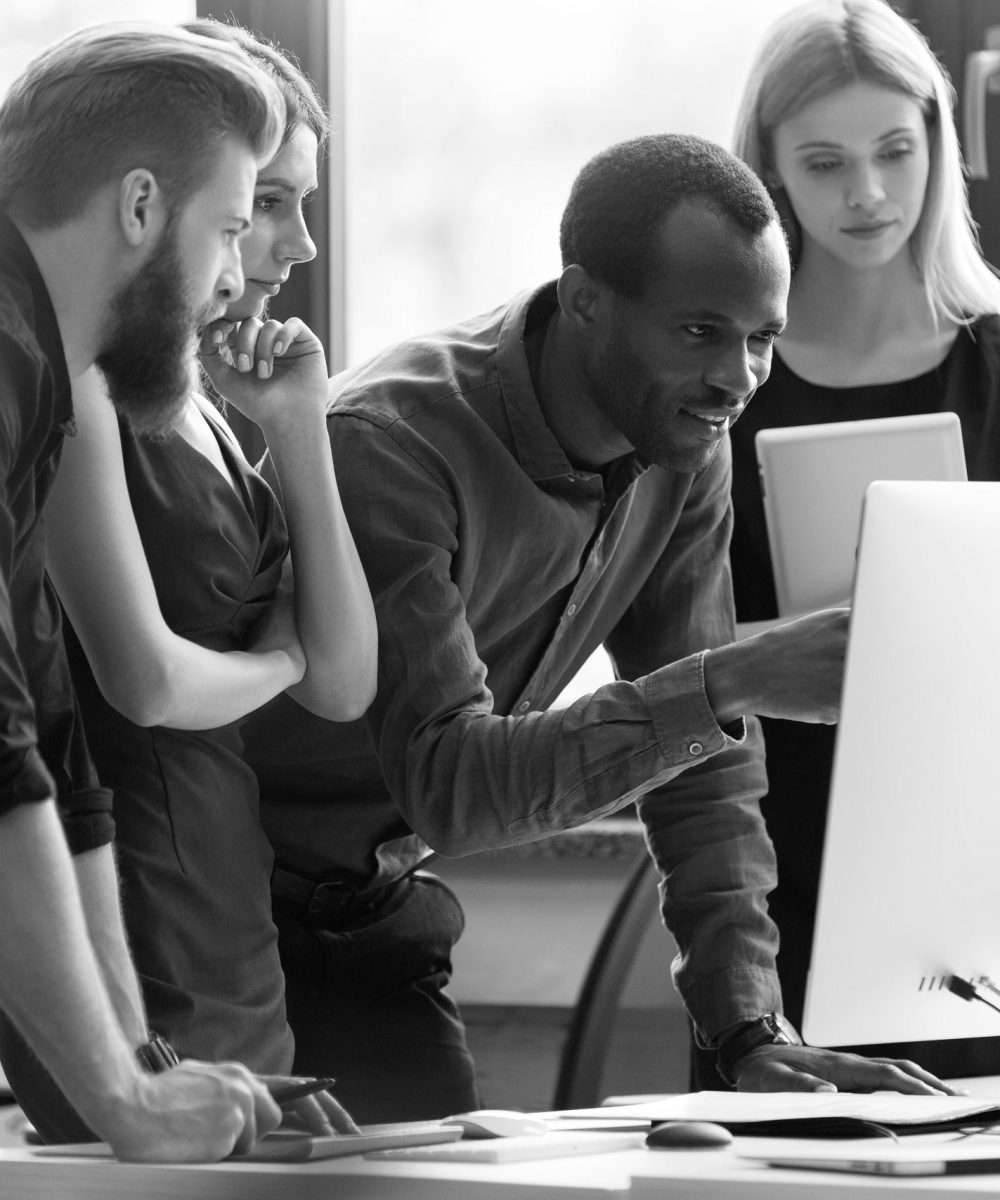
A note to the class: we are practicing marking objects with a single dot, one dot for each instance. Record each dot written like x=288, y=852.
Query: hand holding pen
x=310, y=1101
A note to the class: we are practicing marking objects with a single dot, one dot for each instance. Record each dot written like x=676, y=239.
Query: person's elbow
x=355, y=703
x=147, y=697
x=334, y=701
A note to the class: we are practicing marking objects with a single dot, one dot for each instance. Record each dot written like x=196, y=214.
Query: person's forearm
x=728, y=672
x=97, y=879
x=197, y=688
x=50, y=983
x=334, y=610
x=792, y=670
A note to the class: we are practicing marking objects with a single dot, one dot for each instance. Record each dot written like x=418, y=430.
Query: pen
x=298, y=1091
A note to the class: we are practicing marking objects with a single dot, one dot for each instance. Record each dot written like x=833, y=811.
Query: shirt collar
x=538, y=450
x=539, y=453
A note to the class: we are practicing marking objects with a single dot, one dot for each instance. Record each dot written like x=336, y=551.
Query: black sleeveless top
x=185, y=801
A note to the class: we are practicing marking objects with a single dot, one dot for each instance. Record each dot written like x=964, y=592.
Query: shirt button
x=524, y=706
x=695, y=748
x=571, y=610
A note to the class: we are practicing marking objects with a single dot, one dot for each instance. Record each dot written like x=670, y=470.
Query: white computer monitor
x=910, y=883
x=813, y=479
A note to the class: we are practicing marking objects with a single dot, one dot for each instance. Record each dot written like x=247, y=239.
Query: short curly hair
x=620, y=198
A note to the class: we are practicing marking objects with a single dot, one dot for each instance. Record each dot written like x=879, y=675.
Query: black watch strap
x=769, y=1030
x=157, y=1055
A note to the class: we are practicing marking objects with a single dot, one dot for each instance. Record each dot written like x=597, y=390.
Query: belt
x=330, y=901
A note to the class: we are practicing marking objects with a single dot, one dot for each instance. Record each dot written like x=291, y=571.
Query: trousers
x=368, y=1005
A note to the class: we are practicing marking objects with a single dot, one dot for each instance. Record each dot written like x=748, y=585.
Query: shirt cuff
x=86, y=819
x=683, y=720
x=730, y=998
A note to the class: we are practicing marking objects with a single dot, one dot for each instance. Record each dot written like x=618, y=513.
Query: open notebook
x=809, y=1114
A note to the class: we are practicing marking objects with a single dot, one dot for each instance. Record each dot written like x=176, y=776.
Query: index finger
x=336, y=1114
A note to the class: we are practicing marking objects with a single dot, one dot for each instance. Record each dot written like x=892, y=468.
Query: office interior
x=458, y=127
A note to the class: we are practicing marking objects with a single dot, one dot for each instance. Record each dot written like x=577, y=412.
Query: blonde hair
x=825, y=45
x=113, y=97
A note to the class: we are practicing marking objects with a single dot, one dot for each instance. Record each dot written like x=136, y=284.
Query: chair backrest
x=629, y=1032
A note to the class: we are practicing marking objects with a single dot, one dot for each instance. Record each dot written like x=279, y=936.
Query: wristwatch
x=157, y=1054
x=769, y=1030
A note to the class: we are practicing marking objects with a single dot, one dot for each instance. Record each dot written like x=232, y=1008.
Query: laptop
x=813, y=479
x=940, y=1156
x=909, y=890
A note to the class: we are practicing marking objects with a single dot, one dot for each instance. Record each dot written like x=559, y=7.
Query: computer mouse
x=688, y=1135
x=496, y=1123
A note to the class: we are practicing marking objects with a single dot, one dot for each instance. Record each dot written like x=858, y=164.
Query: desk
x=722, y=1175
x=625, y=1175
x=594, y=1177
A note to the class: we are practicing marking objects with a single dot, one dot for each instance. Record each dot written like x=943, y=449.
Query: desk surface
x=623, y=1175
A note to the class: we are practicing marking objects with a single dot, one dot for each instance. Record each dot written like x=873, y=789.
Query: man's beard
x=147, y=356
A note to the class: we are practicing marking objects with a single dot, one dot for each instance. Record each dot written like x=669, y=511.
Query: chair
x=629, y=1031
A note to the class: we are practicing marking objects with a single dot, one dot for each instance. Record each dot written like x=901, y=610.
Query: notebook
x=288, y=1146
x=813, y=479
x=810, y=1114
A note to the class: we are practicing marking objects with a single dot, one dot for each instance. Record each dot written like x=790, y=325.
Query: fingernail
x=218, y=337
x=243, y=362
x=263, y=369
x=279, y=347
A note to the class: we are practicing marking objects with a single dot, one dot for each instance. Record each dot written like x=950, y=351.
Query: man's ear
x=141, y=208
x=581, y=298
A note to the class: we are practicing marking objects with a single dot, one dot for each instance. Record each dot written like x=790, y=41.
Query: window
x=28, y=28
x=465, y=123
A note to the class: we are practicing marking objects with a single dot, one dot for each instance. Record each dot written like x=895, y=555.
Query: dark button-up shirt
x=42, y=750
x=497, y=568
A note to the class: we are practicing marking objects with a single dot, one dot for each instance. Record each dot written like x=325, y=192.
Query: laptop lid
x=910, y=881
x=813, y=479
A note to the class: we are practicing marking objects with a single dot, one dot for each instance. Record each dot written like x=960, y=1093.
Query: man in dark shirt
x=127, y=164
x=522, y=488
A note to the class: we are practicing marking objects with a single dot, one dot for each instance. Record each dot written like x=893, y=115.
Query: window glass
x=465, y=123
x=28, y=28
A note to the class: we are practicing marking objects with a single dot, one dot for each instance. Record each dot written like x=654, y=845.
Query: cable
x=971, y=991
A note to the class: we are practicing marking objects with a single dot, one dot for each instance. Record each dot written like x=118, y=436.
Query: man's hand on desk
x=319, y=1114
x=810, y=1069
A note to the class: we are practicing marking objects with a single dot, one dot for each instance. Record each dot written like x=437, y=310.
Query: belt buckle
x=322, y=892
